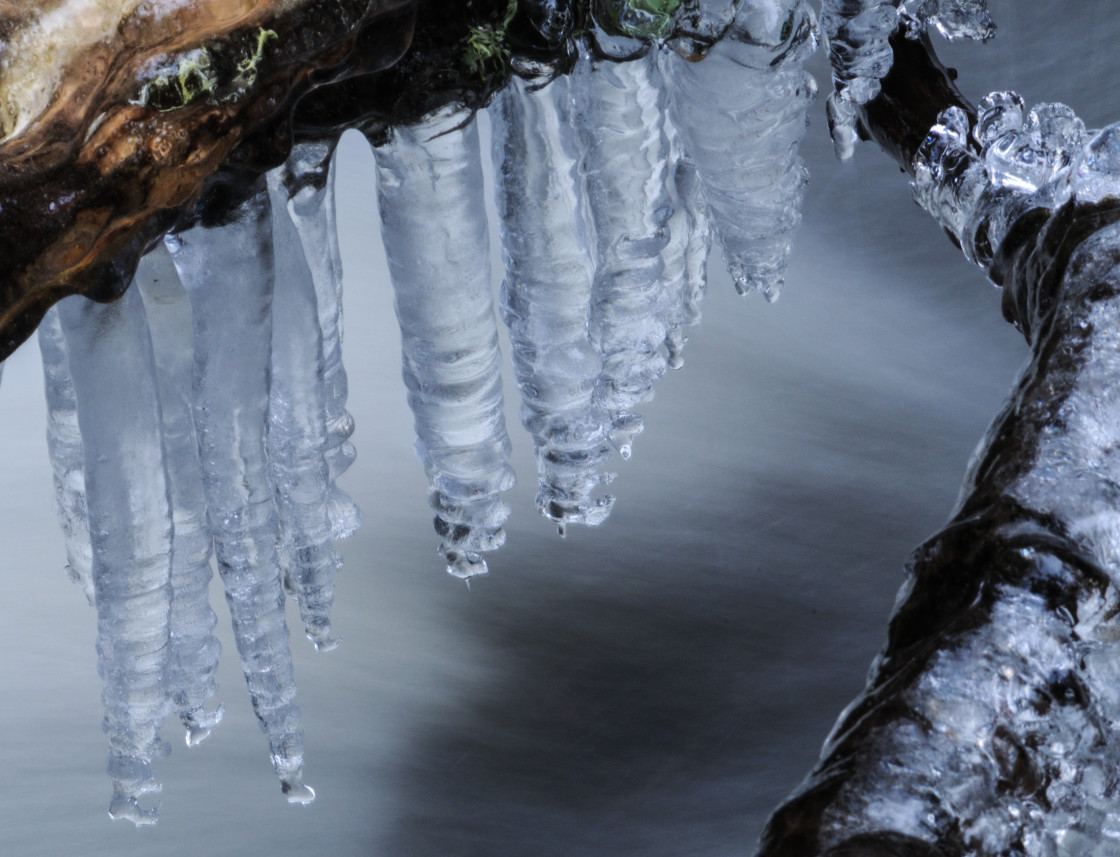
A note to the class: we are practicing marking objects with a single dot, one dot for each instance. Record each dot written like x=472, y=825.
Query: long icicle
x=741, y=114
x=309, y=181
x=228, y=273
x=194, y=648
x=297, y=435
x=130, y=523
x=64, y=448
x=625, y=163
x=686, y=253
x=433, y=223
x=546, y=297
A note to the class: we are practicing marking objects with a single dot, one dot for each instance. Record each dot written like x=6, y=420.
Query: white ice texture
x=202, y=419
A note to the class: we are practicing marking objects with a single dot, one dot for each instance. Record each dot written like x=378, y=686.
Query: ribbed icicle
x=297, y=436
x=113, y=372
x=194, y=648
x=686, y=253
x=309, y=182
x=741, y=114
x=625, y=163
x=433, y=223
x=228, y=273
x=546, y=297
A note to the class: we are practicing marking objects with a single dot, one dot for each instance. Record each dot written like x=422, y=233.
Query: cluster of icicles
x=203, y=416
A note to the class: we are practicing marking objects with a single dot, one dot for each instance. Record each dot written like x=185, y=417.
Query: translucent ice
x=859, y=51
x=64, y=446
x=741, y=114
x=546, y=297
x=433, y=223
x=619, y=106
x=686, y=253
x=309, y=183
x=194, y=649
x=297, y=433
x=130, y=524
x=954, y=19
x=232, y=357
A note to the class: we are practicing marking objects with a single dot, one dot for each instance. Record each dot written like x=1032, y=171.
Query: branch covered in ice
x=859, y=34
x=989, y=724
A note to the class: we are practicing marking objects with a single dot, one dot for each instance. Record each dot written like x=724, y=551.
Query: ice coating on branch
x=433, y=223
x=309, y=182
x=859, y=32
x=64, y=448
x=194, y=648
x=954, y=19
x=751, y=87
x=546, y=297
x=113, y=373
x=990, y=723
x=859, y=51
x=228, y=273
x=618, y=108
x=1027, y=161
x=297, y=432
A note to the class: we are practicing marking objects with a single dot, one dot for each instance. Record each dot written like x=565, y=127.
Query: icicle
x=430, y=192
x=741, y=114
x=228, y=273
x=130, y=523
x=546, y=297
x=64, y=446
x=297, y=436
x=619, y=108
x=194, y=648
x=686, y=254
x=859, y=33
x=309, y=181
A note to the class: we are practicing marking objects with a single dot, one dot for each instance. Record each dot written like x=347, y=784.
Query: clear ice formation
x=194, y=649
x=751, y=87
x=202, y=418
x=546, y=296
x=859, y=32
x=64, y=448
x=232, y=354
x=429, y=180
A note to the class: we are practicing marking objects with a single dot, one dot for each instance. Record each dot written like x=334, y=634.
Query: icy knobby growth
x=953, y=19
x=858, y=33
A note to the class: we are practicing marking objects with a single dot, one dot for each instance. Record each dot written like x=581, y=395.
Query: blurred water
x=653, y=687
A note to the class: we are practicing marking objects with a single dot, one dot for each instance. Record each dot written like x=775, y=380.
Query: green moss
x=178, y=86
x=247, y=67
x=485, y=52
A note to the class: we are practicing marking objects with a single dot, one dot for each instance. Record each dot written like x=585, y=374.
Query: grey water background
x=652, y=687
